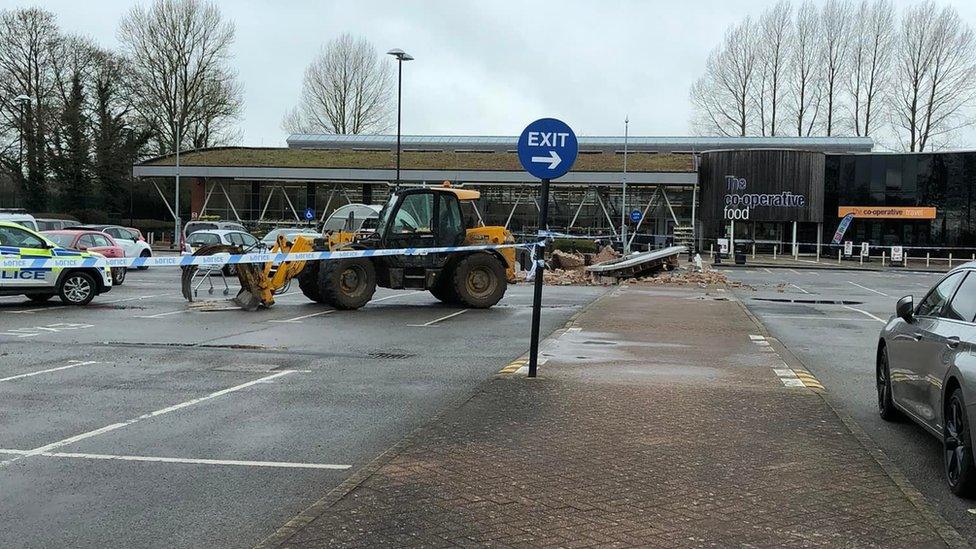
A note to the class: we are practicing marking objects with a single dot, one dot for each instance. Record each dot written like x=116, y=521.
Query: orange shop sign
x=887, y=212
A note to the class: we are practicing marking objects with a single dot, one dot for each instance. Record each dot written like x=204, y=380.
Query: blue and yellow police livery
x=75, y=285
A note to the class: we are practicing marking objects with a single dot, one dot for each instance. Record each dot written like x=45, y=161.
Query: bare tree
x=183, y=86
x=836, y=20
x=805, y=85
x=935, y=71
x=28, y=46
x=773, y=35
x=870, y=63
x=723, y=96
x=347, y=90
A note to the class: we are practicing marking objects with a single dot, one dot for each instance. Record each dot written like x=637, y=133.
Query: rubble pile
x=606, y=253
x=685, y=276
x=566, y=261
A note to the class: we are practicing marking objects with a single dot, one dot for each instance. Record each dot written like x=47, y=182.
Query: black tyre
x=443, y=288
x=479, y=281
x=39, y=298
x=886, y=408
x=77, y=288
x=347, y=283
x=308, y=281
x=118, y=275
x=145, y=253
x=958, y=447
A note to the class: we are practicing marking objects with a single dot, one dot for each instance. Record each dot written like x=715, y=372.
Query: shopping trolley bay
x=150, y=418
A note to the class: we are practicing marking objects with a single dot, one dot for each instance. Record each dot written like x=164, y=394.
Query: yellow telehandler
x=428, y=217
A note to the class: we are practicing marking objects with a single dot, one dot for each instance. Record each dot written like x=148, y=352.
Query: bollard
x=711, y=251
x=904, y=260
x=950, y=260
x=774, y=252
x=839, y=252
x=861, y=258
x=927, y=258
x=883, y=254
x=754, y=250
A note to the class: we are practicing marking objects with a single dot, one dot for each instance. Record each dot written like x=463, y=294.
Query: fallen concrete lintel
x=635, y=264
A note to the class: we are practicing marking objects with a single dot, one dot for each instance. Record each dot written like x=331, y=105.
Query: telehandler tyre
x=479, y=281
x=443, y=289
x=347, y=283
x=308, y=282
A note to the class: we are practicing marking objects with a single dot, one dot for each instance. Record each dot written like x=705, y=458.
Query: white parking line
x=164, y=314
x=799, y=288
x=74, y=364
x=191, y=461
x=395, y=296
x=108, y=428
x=868, y=289
x=436, y=320
x=865, y=313
x=794, y=271
x=767, y=270
x=23, y=311
x=300, y=318
x=814, y=317
x=137, y=298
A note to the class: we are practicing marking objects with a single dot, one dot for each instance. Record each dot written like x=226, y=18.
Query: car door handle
x=952, y=342
x=917, y=336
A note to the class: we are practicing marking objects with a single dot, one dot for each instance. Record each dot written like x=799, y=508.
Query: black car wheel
x=118, y=275
x=957, y=447
x=77, y=288
x=886, y=408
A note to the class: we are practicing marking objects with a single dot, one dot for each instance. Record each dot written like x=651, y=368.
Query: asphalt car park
x=141, y=418
x=830, y=320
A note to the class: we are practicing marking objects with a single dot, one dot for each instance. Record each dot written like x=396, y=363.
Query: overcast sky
x=482, y=67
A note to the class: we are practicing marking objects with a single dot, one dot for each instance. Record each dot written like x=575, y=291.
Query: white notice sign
x=897, y=254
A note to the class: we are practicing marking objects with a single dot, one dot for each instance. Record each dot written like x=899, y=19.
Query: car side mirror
x=905, y=309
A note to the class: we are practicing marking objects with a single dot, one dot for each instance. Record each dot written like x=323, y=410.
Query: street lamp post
x=127, y=132
x=401, y=56
x=21, y=101
x=623, y=198
x=176, y=212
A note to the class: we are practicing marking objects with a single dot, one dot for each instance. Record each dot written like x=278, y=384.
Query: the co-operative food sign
x=739, y=201
x=762, y=185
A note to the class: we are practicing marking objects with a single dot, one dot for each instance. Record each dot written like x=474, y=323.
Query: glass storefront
x=945, y=181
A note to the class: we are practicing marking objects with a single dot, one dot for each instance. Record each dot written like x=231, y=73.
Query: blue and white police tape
x=234, y=259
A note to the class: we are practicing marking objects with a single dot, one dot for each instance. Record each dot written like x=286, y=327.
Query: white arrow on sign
x=553, y=159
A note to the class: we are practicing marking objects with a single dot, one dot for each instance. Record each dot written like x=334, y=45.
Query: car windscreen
x=203, y=239
x=63, y=240
x=45, y=225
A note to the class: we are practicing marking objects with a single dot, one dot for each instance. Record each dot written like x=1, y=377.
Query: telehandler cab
x=428, y=217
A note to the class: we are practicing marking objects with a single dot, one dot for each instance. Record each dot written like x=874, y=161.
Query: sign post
x=547, y=149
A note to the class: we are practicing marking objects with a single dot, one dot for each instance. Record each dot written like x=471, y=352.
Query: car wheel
x=957, y=447
x=77, y=288
x=118, y=275
x=886, y=408
x=39, y=298
x=145, y=253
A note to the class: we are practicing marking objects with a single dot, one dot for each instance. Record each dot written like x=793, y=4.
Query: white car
x=131, y=240
x=211, y=237
x=289, y=234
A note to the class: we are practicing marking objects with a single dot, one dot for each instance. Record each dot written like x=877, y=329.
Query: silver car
x=926, y=369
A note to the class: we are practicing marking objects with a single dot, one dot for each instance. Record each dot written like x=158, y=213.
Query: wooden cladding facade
x=762, y=185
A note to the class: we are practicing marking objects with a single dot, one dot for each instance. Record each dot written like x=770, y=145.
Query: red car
x=91, y=241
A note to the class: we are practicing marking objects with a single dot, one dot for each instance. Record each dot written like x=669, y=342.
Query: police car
x=74, y=285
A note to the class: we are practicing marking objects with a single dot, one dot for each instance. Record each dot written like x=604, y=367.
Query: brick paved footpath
x=659, y=423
